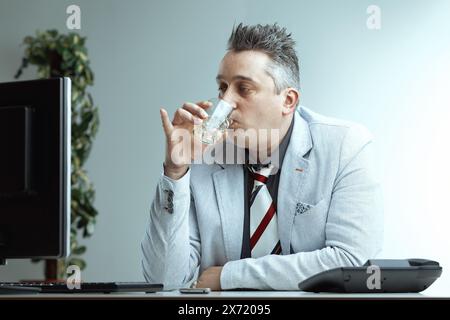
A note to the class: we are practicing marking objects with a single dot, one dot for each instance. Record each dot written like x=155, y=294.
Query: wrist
x=175, y=173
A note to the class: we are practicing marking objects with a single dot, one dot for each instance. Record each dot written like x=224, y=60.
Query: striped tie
x=264, y=237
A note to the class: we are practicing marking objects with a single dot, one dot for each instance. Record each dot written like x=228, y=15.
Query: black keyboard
x=85, y=287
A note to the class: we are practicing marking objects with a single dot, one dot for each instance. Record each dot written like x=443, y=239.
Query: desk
x=253, y=295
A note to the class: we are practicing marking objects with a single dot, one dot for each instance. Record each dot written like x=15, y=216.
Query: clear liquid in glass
x=213, y=128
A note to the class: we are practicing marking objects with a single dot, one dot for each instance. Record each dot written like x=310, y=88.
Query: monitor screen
x=35, y=168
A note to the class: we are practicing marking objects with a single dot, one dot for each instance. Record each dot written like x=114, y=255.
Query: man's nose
x=228, y=97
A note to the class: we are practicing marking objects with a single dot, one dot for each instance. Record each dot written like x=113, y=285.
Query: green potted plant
x=65, y=55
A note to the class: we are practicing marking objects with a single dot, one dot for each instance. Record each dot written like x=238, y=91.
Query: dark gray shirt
x=272, y=186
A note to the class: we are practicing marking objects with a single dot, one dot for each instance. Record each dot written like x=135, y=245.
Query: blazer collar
x=301, y=142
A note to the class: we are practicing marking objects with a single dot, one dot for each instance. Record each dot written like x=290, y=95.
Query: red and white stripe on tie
x=264, y=237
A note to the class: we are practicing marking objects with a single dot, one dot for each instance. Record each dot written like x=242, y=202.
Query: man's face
x=244, y=82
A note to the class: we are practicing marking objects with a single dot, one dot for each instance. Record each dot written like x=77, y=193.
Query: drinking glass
x=213, y=128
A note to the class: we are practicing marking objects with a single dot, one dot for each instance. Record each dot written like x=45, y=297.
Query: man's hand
x=184, y=119
x=210, y=278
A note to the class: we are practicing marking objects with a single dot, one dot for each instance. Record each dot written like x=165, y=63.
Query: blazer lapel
x=294, y=172
x=229, y=188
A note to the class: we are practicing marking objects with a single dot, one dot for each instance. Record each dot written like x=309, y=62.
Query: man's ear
x=291, y=98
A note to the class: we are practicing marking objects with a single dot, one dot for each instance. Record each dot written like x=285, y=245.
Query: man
x=228, y=226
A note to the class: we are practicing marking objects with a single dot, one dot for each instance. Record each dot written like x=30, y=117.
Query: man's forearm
x=167, y=253
x=275, y=272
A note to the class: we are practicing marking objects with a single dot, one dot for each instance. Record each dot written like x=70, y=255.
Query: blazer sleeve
x=171, y=243
x=354, y=228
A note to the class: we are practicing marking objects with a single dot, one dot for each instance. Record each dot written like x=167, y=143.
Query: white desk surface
x=265, y=295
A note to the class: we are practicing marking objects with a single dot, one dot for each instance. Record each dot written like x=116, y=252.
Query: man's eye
x=244, y=89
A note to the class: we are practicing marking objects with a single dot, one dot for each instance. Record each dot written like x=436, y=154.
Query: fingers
x=167, y=125
x=196, y=110
x=204, y=104
x=190, y=112
x=182, y=115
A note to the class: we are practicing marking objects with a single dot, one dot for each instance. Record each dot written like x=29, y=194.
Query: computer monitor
x=35, y=122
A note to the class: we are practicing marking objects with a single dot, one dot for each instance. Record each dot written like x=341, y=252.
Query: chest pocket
x=308, y=230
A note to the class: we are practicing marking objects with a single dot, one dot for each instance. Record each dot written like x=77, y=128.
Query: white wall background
x=148, y=54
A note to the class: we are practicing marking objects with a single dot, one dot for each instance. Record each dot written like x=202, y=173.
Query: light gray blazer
x=329, y=213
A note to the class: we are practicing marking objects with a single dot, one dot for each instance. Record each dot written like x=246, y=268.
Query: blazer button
x=169, y=209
